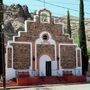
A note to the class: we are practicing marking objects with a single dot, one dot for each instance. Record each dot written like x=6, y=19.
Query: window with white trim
x=45, y=17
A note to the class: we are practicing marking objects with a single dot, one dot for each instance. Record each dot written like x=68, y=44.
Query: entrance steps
x=50, y=80
x=24, y=81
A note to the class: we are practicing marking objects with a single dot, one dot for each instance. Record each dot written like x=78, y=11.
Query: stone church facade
x=43, y=49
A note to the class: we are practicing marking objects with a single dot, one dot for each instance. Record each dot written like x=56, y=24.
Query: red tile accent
x=23, y=81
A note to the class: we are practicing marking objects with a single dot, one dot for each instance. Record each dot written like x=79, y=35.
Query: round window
x=45, y=37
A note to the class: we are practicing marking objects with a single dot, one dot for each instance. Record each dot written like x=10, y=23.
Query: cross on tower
x=44, y=3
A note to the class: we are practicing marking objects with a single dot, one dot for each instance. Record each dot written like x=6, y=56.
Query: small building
x=43, y=49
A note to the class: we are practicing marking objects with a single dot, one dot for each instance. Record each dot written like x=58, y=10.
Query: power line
x=57, y=14
x=67, y=3
x=56, y=5
x=77, y=19
x=60, y=6
x=62, y=17
x=86, y=0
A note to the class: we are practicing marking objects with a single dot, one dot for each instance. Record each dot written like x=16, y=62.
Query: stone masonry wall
x=46, y=50
x=68, y=56
x=21, y=56
x=35, y=28
x=78, y=56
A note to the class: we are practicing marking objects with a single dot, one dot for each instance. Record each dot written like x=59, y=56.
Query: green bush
x=76, y=39
x=88, y=52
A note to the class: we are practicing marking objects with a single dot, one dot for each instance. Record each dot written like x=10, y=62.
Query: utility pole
x=2, y=48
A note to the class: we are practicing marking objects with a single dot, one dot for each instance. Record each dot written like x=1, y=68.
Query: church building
x=43, y=49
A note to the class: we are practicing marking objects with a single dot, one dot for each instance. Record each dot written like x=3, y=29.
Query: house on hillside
x=43, y=49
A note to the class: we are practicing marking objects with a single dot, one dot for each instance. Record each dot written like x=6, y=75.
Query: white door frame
x=42, y=64
x=39, y=41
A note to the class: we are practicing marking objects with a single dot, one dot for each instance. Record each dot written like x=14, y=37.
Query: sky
x=57, y=7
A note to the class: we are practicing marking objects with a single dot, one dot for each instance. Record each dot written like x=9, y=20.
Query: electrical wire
x=60, y=6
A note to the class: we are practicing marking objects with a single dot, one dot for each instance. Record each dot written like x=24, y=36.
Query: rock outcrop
x=14, y=17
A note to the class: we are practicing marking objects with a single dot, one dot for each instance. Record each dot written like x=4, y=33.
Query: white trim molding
x=6, y=56
x=63, y=44
x=77, y=57
x=25, y=30
x=76, y=71
x=46, y=17
x=30, y=50
x=12, y=69
x=50, y=41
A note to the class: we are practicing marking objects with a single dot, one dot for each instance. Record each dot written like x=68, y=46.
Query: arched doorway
x=45, y=66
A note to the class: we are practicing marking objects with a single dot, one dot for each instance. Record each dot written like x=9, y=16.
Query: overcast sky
x=57, y=7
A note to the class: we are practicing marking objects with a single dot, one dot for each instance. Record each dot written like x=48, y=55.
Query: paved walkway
x=58, y=87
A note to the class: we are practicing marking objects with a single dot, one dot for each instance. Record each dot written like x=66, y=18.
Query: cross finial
x=44, y=3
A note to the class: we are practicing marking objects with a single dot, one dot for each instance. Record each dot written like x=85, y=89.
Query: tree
x=82, y=39
x=1, y=17
x=68, y=24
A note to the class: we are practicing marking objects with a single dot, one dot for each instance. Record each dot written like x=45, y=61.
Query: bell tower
x=45, y=16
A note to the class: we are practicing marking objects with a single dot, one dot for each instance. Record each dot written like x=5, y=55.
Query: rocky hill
x=15, y=15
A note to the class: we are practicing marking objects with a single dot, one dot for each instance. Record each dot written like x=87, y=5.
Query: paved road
x=59, y=87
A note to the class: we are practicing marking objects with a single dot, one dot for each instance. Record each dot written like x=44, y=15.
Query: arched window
x=45, y=17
